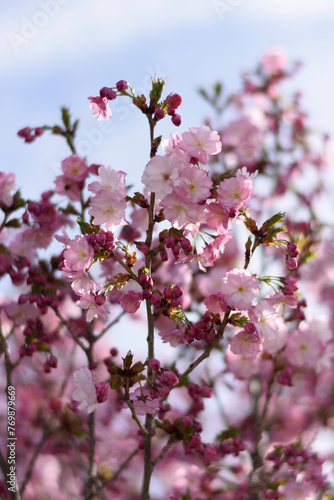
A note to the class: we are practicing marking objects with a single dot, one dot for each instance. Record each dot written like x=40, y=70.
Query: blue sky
x=58, y=52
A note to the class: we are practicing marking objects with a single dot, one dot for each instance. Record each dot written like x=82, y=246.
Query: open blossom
x=109, y=179
x=194, y=184
x=263, y=315
x=246, y=344
x=131, y=301
x=161, y=174
x=179, y=211
x=274, y=60
x=174, y=337
x=7, y=184
x=303, y=348
x=217, y=217
x=240, y=288
x=99, y=106
x=200, y=142
x=143, y=403
x=93, y=307
x=78, y=254
x=86, y=391
x=233, y=192
x=68, y=187
x=75, y=168
x=215, y=303
x=108, y=208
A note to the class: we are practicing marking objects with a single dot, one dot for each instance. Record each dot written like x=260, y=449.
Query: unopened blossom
x=233, y=192
x=100, y=107
x=200, y=142
x=143, y=403
x=263, y=315
x=86, y=391
x=246, y=344
x=74, y=167
x=240, y=288
x=7, y=184
x=108, y=208
x=131, y=301
x=161, y=175
x=109, y=179
x=174, y=337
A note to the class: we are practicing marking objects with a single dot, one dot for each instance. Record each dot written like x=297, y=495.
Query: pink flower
x=100, y=107
x=217, y=217
x=131, y=301
x=68, y=187
x=194, y=184
x=246, y=344
x=179, y=211
x=94, y=309
x=274, y=60
x=200, y=142
x=108, y=208
x=161, y=174
x=109, y=179
x=233, y=192
x=74, y=168
x=78, y=254
x=174, y=337
x=215, y=303
x=263, y=316
x=240, y=288
x=303, y=349
x=86, y=391
x=7, y=184
x=143, y=403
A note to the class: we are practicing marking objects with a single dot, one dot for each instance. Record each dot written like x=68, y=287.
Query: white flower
x=86, y=391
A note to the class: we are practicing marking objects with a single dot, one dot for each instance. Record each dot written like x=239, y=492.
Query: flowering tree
x=205, y=257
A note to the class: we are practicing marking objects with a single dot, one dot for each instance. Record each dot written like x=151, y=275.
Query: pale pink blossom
x=19, y=313
x=75, y=168
x=179, y=211
x=264, y=316
x=86, y=391
x=107, y=208
x=7, y=184
x=174, y=337
x=274, y=60
x=238, y=131
x=100, y=107
x=215, y=303
x=161, y=175
x=216, y=217
x=68, y=187
x=303, y=349
x=169, y=145
x=200, y=142
x=78, y=254
x=93, y=309
x=242, y=367
x=240, y=288
x=319, y=326
x=131, y=301
x=109, y=179
x=194, y=184
x=278, y=342
x=246, y=344
x=143, y=403
x=233, y=192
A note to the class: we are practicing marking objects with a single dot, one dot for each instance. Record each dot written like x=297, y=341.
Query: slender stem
x=91, y=434
x=135, y=417
x=127, y=268
x=32, y=462
x=106, y=328
x=164, y=450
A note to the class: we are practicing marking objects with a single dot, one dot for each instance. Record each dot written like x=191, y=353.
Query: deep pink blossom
x=100, y=107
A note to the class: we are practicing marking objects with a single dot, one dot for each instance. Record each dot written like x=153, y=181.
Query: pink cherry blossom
x=109, y=179
x=215, y=303
x=85, y=392
x=7, y=184
x=68, y=187
x=240, y=288
x=78, y=254
x=143, y=403
x=274, y=60
x=200, y=142
x=263, y=315
x=161, y=175
x=108, y=208
x=303, y=348
x=216, y=217
x=174, y=337
x=94, y=309
x=179, y=211
x=233, y=192
x=131, y=301
x=75, y=168
x=246, y=344
x=100, y=107
x=194, y=184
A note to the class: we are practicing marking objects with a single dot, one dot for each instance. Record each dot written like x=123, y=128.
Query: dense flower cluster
x=242, y=389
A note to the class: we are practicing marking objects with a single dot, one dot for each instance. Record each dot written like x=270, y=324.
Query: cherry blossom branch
x=91, y=432
x=106, y=328
x=164, y=450
x=135, y=417
x=127, y=268
x=39, y=446
x=74, y=337
x=206, y=353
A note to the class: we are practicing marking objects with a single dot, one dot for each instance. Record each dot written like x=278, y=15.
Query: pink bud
x=122, y=86
x=176, y=120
